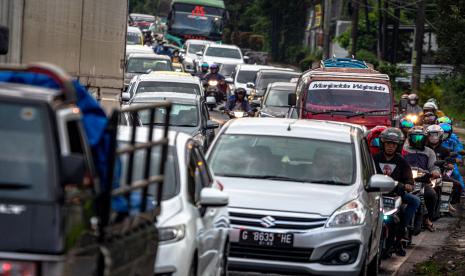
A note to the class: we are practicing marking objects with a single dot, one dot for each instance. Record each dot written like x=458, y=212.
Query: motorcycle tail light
x=15, y=268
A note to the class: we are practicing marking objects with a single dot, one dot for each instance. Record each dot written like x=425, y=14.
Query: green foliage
x=453, y=96
x=307, y=62
x=256, y=42
x=368, y=57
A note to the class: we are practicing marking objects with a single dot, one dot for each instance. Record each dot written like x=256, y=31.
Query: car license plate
x=283, y=240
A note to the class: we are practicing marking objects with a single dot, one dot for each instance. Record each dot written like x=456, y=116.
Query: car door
x=210, y=238
x=374, y=199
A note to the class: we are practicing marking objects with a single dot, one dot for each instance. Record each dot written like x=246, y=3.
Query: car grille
x=300, y=255
x=257, y=219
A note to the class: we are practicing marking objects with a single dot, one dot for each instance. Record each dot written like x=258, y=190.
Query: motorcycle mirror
x=250, y=85
x=4, y=40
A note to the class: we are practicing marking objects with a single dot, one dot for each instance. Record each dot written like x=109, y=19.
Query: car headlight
x=172, y=233
x=350, y=214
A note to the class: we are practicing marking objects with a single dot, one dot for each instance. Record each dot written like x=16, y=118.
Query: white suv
x=193, y=224
x=244, y=74
x=221, y=54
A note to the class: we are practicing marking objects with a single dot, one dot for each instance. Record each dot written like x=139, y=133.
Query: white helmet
x=430, y=105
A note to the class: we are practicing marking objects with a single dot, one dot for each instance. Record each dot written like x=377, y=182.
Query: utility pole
x=418, y=46
x=380, y=26
x=384, y=31
x=355, y=8
x=326, y=28
x=395, y=35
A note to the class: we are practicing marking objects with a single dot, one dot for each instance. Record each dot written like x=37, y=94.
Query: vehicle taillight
x=14, y=268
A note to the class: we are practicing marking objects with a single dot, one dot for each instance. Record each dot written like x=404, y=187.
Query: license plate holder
x=266, y=239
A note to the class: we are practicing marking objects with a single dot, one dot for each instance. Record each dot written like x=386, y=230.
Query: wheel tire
x=224, y=261
x=373, y=266
x=193, y=268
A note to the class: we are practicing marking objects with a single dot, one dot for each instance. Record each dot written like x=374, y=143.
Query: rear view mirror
x=229, y=80
x=199, y=53
x=381, y=183
x=250, y=85
x=74, y=168
x=125, y=96
x=212, y=124
x=4, y=40
x=292, y=99
x=211, y=197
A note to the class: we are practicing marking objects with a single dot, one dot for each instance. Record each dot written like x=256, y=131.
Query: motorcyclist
x=373, y=139
x=203, y=71
x=162, y=49
x=215, y=75
x=238, y=102
x=418, y=155
x=405, y=125
x=412, y=106
x=452, y=143
x=389, y=162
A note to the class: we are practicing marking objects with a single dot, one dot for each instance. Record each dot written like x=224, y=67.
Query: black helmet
x=417, y=138
x=392, y=134
x=241, y=91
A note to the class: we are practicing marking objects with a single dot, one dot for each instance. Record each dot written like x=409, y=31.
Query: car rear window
x=164, y=86
x=284, y=158
x=26, y=164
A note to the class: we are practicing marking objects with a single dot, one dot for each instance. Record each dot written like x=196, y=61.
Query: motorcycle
x=213, y=94
x=237, y=114
x=392, y=204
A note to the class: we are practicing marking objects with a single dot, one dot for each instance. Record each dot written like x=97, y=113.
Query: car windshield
x=223, y=52
x=133, y=38
x=185, y=115
x=284, y=158
x=143, y=65
x=26, y=150
x=164, y=86
x=194, y=48
x=266, y=79
x=244, y=76
x=170, y=184
x=278, y=97
x=348, y=96
x=227, y=69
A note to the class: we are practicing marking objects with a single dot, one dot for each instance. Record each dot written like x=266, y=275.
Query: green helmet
x=444, y=119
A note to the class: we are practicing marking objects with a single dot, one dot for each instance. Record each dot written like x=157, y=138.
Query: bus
x=195, y=19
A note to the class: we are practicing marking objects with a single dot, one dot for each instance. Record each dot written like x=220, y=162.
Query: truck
x=196, y=19
x=345, y=90
x=84, y=37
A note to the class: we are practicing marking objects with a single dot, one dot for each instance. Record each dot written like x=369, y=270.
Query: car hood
x=188, y=130
x=211, y=60
x=169, y=209
x=286, y=196
x=275, y=111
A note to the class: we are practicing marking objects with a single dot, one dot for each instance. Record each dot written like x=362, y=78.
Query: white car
x=220, y=54
x=163, y=81
x=243, y=74
x=192, y=47
x=134, y=36
x=193, y=224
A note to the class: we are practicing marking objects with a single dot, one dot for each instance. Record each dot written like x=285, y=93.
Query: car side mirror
x=212, y=124
x=211, y=197
x=199, y=53
x=74, y=168
x=292, y=99
x=125, y=96
x=182, y=51
x=381, y=183
x=229, y=80
x=246, y=59
x=4, y=40
x=250, y=85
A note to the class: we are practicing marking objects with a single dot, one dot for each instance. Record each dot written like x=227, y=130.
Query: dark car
x=189, y=114
x=267, y=76
x=275, y=101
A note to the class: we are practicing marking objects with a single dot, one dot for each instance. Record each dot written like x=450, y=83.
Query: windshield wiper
x=330, y=112
x=327, y=181
x=366, y=112
x=14, y=186
x=277, y=177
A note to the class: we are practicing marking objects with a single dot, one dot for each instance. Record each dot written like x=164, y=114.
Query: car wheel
x=373, y=266
x=193, y=268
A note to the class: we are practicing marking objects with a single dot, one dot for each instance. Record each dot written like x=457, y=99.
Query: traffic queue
x=328, y=175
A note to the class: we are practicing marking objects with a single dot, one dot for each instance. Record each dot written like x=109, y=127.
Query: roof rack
x=63, y=79
x=343, y=63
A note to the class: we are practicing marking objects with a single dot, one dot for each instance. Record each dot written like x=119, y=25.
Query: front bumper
x=174, y=258
x=312, y=248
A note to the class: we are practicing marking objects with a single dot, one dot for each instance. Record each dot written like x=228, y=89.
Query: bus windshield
x=187, y=19
x=348, y=96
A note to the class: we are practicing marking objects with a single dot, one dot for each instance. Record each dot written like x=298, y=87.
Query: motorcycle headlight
x=413, y=118
x=213, y=83
x=350, y=214
x=171, y=234
x=239, y=114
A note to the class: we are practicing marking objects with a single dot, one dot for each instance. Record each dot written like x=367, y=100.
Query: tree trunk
x=418, y=46
x=355, y=8
x=380, y=26
x=395, y=35
x=367, y=19
x=326, y=28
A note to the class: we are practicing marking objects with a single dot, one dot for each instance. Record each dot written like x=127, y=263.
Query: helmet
x=374, y=140
x=444, y=119
x=429, y=118
x=393, y=135
x=447, y=129
x=430, y=106
x=404, y=96
x=413, y=99
x=435, y=134
x=406, y=123
x=417, y=138
x=240, y=91
x=434, y=101
x=204, y=67
x=214, y=68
